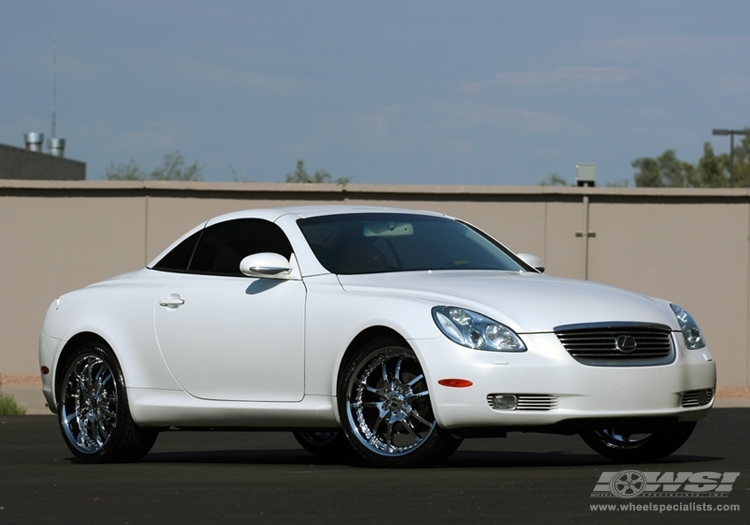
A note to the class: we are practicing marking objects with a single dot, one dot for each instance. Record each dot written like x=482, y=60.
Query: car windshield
x=396, y=242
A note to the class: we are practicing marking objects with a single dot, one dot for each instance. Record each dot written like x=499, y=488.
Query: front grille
x=618, y=344
x=697, y=398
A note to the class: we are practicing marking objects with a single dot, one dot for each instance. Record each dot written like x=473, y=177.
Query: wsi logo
x=634, y=483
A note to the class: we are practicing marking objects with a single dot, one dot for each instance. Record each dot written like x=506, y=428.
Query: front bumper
x=570, y=391
x=49, y=349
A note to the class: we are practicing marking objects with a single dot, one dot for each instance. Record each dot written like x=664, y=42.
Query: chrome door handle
x=172, y=301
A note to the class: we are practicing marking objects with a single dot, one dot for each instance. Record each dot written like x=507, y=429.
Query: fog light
x=504, y=401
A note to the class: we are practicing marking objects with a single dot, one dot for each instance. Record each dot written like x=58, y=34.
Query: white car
x=392, y=333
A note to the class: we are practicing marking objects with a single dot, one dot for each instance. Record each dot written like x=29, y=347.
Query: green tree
x=554, y=180
x=173, y=168
x=300, y=175
x=130, y=171
x=664, y=171
x=711, y=170
x=741, y=163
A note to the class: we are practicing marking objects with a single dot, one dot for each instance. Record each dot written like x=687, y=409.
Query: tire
x=93, y=409
x=623, y=445
x=329, y=444
x=385, y=409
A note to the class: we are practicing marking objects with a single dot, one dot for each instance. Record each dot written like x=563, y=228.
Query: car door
x=226, y=336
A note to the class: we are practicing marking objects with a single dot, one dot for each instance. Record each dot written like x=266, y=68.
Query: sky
x=387, y=92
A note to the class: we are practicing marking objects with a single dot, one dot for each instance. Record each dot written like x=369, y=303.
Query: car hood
x=525, y=302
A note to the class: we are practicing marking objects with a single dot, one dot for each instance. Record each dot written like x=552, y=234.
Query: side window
x=222, y=246
x=179, y=258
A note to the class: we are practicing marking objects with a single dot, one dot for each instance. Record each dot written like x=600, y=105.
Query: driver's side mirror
x=532, y=260
x=266, y=265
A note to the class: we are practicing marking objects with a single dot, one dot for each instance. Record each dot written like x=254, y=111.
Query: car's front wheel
x=384, y=402
x=93, y=409
x=622, y=444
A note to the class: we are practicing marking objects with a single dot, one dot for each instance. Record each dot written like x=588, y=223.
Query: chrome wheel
x=89, y=404
x=386, y=409
x=93, y=409
x=389, y=405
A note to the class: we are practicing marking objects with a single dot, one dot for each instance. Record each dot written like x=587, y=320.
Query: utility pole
x=731, y=133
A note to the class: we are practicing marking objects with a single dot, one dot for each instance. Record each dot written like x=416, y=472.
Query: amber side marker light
x=455, y=383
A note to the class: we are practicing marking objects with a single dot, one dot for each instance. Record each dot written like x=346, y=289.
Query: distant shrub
x=9, y=407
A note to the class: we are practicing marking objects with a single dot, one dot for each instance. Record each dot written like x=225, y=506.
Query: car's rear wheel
x=330, y=444
x=93, y=409
x=622, y=444
x=384, y=402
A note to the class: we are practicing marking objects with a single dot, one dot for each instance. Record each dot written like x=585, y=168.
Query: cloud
x=569, y=77
x=152, y=138
x=470, y=114
x=734, y=85
x=202, y=73
x=378, y=123
x=364, y=130
x=657, y=48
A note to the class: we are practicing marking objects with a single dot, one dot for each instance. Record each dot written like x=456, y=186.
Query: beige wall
x=688, y=246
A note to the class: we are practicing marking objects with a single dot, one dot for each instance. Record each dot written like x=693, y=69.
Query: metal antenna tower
x=54, y=88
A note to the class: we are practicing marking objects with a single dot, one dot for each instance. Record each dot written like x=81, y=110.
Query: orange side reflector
x=455, y=383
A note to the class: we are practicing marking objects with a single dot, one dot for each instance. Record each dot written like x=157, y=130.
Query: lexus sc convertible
x=383, y=333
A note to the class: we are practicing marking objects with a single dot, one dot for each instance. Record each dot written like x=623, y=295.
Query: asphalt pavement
x=254, y=477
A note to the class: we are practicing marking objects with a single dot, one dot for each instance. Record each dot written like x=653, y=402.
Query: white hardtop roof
x=304, y=212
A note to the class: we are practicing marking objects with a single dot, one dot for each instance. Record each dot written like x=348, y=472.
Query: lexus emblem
x=625, y=344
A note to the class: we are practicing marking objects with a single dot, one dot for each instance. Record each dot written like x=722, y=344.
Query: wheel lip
x=69, y=418
x=354, y=427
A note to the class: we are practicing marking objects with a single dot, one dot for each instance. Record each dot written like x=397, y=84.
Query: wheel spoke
x=411, y=431
x=108, y=413
x=415, y=380
x=414, y=414
x=416, y=395
x=389, y=435
x=397, y=373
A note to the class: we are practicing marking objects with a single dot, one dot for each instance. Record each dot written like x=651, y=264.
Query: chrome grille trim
x=539, y=402
x=697, y=398
x=597, y=344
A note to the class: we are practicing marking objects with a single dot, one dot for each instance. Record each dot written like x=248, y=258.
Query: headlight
x=476, y=331
x=691, y=332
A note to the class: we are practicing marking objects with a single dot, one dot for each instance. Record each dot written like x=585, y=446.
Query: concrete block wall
x=688, y=246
